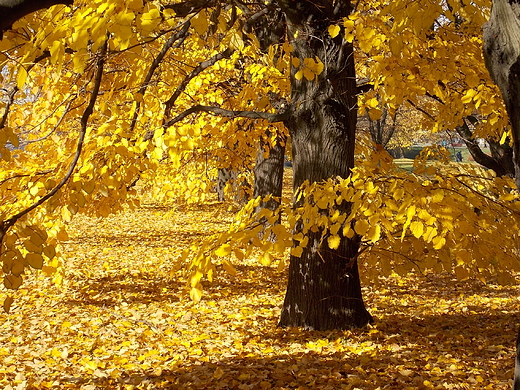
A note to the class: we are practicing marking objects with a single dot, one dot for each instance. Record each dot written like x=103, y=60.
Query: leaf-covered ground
x=122, y=321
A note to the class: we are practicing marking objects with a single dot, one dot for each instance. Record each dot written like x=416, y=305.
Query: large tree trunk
x=502, y=56
x=323, y=290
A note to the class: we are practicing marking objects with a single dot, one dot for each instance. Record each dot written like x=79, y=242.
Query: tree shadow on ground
x=406, y=353
x=146, y=287
x=108, y=291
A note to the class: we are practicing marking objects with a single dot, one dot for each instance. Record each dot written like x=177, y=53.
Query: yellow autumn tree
x=104, y=96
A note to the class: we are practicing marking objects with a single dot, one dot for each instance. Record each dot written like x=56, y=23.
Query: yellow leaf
x=374, y=234
x=12, y=281
x=299, y=75
x=57, y=50
x=438, y=242
x=431, y=232
x=200, y=23
x=461, y=273
x=266, y=259
x=35, y=260
x=21, y=77
x=398, y=194
x=417, y=229
x=468, y=96
x=224, y=250
x=196, y=293
x=375, y=114
x=503, y=139
x=49, y=251
x=295, y=61
x=17, y=267
x=195, y=278
x=309, y=74
x=334, y=30
x=437, y=196
x=297, y=251
x=396, y=46
x=150, y=20
x=410, y=212
x=8, y=301
x=334, y=241
x=361, y=227
x=228, y=267
x=372, y=103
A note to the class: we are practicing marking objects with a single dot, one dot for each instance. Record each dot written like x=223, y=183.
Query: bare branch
x=272, y=118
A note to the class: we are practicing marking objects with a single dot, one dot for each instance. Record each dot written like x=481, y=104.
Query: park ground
x=409, y=154
x=122, y=320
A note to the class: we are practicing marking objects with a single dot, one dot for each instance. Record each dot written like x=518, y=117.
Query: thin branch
x=195, y=72
x=4, y=226
x=272, y=118
x=15, y=89
x=19, y=176
x=26, y=142
x=421, y=110
x=180, y=35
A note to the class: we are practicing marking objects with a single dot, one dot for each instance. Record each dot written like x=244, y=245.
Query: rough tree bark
x=502, y=57
x=323, y=290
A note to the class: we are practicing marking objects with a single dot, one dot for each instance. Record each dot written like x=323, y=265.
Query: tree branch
x=180, y=35
x=6, y=225
x=189, y=7
x=195, y=72
x=15, y=89
x=13, y=10
x=272, y=118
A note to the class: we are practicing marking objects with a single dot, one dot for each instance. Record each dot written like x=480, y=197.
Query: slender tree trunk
x=225, y=175
x=269, y=173
x=323, y=290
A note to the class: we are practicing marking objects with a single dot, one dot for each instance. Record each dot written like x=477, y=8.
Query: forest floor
x=123, y=320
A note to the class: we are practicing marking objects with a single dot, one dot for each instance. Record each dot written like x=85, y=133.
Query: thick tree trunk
x=323, y=290
x=502, y=56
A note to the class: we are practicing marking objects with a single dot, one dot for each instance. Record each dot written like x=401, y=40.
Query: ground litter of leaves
x=121, y=321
